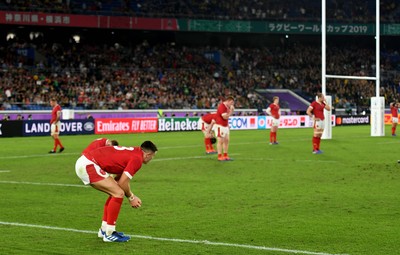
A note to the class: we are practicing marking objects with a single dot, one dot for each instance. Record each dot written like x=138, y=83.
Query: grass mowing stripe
x=296, y=160
x=174, y=239
x=194, y=157
x=156, y=159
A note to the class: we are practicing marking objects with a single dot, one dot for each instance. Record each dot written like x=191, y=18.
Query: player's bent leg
x=109, y=186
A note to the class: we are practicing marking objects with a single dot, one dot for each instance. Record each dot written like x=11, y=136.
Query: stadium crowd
x=360, y=11
x=165, y=76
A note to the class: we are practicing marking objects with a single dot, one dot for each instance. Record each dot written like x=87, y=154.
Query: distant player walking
x=274, y=111
x=55, y=125
x=394, y=109
x=317, y=109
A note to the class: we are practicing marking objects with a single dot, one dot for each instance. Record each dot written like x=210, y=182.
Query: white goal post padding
x=327, y=134
x=377, y=116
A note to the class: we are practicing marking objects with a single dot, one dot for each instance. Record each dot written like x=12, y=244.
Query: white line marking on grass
x=45, y=184
x=38, y=155
x=5, y=171
x=174, y=239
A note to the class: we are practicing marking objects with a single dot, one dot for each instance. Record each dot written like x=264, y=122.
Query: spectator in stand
x=162, y=76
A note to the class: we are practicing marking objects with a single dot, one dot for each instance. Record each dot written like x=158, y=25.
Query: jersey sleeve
x=132, y=167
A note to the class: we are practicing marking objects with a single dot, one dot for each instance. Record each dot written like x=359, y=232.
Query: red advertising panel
x=47, y=19
x=388, y=119
x=125, y=125
x=115, y=22
x=155, y=24
x=92, y=21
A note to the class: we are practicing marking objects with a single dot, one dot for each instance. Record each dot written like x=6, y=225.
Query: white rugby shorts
x=275, y=122
x=221, y=131
x=202, y=125
x=319, y=124
x=88, y=171
x=55, y=128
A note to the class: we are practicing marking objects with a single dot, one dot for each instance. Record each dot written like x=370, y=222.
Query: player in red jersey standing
x=55, y=125
x=394, y=109
x=100, y=142
x=274, y=111
x=317, y=109
x=94, y=168
x=206, y=124
x=225, y=110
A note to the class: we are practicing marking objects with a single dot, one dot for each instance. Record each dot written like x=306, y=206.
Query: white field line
x=38, y=155
x=46, y=184
x=205, y=242
x=5, y=171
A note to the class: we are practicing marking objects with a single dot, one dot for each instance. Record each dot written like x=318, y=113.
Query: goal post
x=377, y=102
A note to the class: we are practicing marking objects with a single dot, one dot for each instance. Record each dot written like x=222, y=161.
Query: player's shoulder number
x=122, y=148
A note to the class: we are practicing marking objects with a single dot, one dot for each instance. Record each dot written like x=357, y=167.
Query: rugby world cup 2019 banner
x=125, y=125
x=68, y=127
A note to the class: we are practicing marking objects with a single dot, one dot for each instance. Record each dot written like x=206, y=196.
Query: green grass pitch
x=270, y=200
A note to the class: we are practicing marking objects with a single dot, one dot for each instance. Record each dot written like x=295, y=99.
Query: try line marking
x=205, y=242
